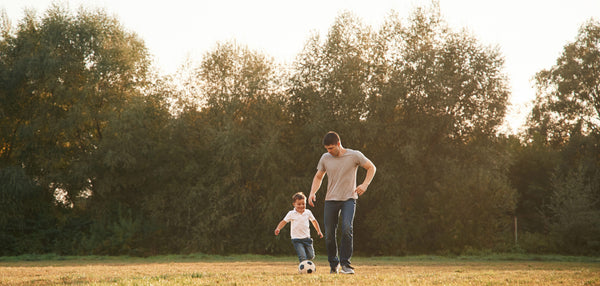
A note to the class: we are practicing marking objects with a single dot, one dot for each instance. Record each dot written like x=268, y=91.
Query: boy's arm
x=280, y=226
x=316, y=225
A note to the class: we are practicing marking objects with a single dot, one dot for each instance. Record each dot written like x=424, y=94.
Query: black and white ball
x=306, y=267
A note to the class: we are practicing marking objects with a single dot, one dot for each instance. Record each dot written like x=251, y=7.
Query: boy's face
x=300, y=205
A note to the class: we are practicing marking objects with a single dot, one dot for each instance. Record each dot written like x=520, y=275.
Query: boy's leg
x=346, y=241
x=330, y=218
x=310, y=250
x=299, y=246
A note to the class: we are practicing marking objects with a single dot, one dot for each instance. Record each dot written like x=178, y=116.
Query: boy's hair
x=298, y=196
x=331, y=138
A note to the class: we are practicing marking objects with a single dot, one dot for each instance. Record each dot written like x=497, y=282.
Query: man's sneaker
x=334, y=270
x=347, y=269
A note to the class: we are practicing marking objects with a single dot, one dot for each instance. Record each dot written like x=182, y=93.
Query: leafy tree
x=568, y=94
x=574, y=213
x=532, y=168
x=26, y=214
x=244, y=125
x=130, y=170
x=330, y=83
x=563, y=132
x=440, y=97
x=64, y=77
x=433, y=71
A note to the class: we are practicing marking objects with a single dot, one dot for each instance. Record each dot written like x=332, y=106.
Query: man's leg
x=346, y=242
x=330, y=218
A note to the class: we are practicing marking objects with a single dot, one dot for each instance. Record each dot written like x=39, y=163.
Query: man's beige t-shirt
x=341, y=174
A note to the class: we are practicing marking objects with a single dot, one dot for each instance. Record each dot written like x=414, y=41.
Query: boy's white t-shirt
x=300, y=226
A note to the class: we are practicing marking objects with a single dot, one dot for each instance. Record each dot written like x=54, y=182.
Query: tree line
x=100, y=154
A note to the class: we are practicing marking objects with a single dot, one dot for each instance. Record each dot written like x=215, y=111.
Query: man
x=340, y=164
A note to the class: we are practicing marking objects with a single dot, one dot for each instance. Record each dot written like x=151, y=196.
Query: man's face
x=334, y=149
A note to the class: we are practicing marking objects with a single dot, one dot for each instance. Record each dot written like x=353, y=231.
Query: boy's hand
x=320, y=234
x=276, y=231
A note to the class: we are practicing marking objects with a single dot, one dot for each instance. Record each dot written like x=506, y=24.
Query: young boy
x=300, y=229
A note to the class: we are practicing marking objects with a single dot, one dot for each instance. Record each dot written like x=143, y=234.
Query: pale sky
x=530, y=33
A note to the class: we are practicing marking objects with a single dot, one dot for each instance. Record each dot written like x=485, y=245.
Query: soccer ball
x=306, y=267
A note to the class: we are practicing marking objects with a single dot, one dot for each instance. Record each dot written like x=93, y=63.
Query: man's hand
x=311, y=199
x=360, y=190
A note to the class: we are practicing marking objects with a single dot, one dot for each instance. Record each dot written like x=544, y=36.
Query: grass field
x=265, y=270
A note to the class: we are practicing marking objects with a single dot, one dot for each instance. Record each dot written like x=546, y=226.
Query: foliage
x=530, y=174
x=99, y=155
x=574, y=207
x=64, y=77
x=563, y=141
x=568, y=99
x=26, y=215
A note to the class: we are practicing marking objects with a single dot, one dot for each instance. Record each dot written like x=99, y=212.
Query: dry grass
x=283, y=272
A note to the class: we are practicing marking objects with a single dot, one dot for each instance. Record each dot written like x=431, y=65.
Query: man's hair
x=331, y=138
x=298, y=196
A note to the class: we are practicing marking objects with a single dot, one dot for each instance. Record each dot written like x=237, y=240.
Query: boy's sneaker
x=347, y=269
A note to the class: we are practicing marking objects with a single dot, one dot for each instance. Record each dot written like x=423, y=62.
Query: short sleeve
x=321, y=165
x=288, y=217
x=311, y=217
x=360, y=158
